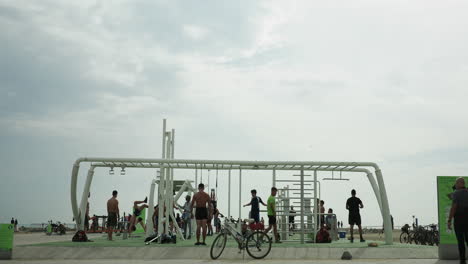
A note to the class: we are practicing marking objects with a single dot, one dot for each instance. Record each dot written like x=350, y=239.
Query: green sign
x=444, y=189
x=6, y=236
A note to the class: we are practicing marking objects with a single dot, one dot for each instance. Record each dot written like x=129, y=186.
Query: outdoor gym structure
x=167, y=164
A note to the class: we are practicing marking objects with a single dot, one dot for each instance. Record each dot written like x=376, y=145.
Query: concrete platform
x=61, y=248
x=198, y=253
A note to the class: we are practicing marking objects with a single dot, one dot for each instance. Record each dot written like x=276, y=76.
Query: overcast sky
x=380, y=81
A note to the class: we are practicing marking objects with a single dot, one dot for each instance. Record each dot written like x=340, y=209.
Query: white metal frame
x=167, y=165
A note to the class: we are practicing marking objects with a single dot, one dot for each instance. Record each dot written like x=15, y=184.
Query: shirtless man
x=135, y=218
x=112, y=214
x=202, y=202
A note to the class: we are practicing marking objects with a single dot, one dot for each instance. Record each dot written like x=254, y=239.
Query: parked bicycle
x=405, y=234
x=420, y=235
x=255, y=241
x=57, y=228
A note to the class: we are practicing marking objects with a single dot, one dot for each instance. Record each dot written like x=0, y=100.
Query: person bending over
x=135, y=217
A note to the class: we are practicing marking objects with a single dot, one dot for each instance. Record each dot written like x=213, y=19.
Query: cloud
x=265, y=80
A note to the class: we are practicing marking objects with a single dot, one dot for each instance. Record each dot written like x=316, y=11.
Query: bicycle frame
x=229, y=229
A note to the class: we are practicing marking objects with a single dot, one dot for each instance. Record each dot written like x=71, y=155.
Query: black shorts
x=271, y=220
x=112, y=220
x=136, y=212
x=354, y=219
x=201, y=213
x=255, y=216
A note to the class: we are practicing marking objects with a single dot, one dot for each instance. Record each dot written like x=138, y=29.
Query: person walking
x=459, y=212
x=353, y=204
x=187, y=218
x=255, y=206
x=271, y=208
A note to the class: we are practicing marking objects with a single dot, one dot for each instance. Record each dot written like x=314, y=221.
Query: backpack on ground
x=80, y=236
x=323, y=236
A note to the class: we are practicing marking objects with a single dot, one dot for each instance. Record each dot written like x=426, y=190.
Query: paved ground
x=402, y=261
x=36, y=238
x=22, y=239
x=100, y=240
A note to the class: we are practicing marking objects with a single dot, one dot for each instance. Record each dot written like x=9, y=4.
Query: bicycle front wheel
x=218, y=246
x=258, y=245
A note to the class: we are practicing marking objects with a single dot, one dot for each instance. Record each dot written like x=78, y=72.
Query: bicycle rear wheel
x=258, y=245
x=404, y=238
x=218, y=246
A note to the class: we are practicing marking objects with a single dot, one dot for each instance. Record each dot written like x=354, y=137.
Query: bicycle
x=405, y=234
x=425, y=235
x=257, y=243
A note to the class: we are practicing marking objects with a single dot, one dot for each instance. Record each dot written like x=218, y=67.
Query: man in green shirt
x=271, y=209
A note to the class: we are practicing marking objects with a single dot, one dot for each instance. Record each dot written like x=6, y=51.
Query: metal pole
x=196, y=176
x=376, y=189
x=84, y=199
x=302, y=206
x=315, y=207
x=240, y=193
x=229, y=194
x=149, y=217
x=385, y=207
x=161, y=187
x=274, y=179
x=168, y=184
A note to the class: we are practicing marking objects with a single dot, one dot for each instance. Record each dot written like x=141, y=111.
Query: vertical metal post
x=314, y=227
x=302, y=206
x=274, y=179
x=229, y=194
x=240, y=193
x=168, y=184
x=149, y=217
x=386, y=208
x=84, y=199
x=161, y=187
x=196, y=176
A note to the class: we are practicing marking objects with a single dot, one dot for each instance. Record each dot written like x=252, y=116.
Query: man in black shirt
x=353, y=205
x=255, y=203
x=292, y=214
x=459, y=212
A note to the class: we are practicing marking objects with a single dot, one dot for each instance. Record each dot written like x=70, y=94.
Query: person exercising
x=112, y=214
x=255, y=206
x=202, y=202
x=135, y=218
x=353, y=204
